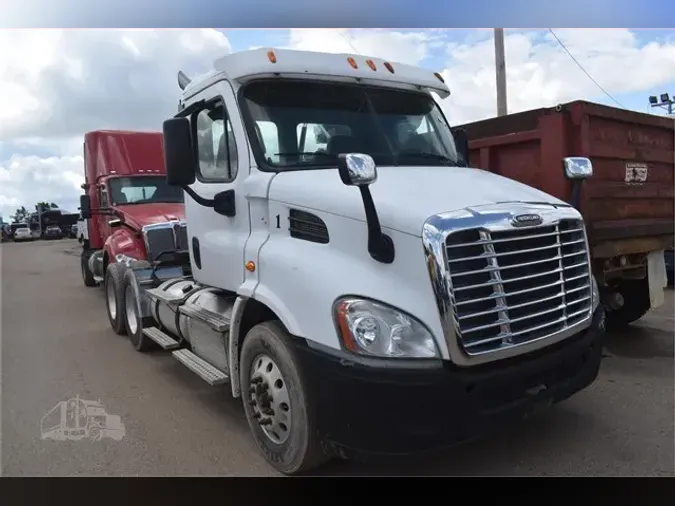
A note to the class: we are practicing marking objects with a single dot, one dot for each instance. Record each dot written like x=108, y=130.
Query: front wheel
x=114, y=297
x=277, y=401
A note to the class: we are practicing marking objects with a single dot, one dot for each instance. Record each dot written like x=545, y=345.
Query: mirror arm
x=380, y=245
x=197, y=198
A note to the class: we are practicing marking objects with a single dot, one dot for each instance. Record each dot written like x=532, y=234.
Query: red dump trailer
x=628, y=203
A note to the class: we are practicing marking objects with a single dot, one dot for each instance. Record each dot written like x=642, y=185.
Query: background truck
x=137, y=214
x=373, y=295
x=628, y=204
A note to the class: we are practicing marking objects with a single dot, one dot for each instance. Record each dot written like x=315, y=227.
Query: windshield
x=306, y=124
x=143, y=190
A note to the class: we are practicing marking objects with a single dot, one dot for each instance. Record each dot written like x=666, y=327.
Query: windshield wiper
x=430, y=156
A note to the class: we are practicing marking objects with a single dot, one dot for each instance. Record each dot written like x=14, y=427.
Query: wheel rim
x=112, y=302
x=269, y=399
x=130, y=306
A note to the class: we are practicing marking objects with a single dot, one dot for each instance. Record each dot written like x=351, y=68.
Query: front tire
x=275, y=392
x=114, y=297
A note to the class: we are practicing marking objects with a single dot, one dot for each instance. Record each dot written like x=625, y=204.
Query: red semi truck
x=131, y=202
x=628, y=203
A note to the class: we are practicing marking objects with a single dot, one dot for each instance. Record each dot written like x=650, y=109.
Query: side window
x=269, y=138
x=216, y=146
x=103, y=196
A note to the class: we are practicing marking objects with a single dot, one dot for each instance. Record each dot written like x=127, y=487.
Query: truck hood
x=140, y=215
x=405, y=197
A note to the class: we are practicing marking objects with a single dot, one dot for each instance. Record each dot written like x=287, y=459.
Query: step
x=164, y=296
x=201, y=367
x=98, y=279
x=217, y=322
x=164, y=340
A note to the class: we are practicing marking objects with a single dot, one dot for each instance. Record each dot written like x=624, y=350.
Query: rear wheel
x=135, y=323
x=87, y=276
x=277, y=401
x=636, y=303
x=114, y=297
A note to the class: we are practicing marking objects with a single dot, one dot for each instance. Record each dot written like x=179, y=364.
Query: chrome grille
x=509, y=287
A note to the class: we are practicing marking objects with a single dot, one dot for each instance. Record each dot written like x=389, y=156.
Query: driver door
x=217, y=241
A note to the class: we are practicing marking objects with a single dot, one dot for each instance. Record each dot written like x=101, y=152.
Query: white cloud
x=540, y=73
x=58, y=84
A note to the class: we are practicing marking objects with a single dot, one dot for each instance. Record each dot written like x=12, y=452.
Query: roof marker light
x=271, y=56
x=371, y=64
x=352, y=62
x=440, y=77
x=389, y=67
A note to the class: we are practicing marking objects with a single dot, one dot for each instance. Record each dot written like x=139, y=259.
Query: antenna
x=183, y=80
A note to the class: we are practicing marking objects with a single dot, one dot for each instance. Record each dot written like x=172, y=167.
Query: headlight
x=595, y=293
x=374, y=329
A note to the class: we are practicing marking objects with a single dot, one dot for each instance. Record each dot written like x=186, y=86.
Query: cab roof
x=269, y=62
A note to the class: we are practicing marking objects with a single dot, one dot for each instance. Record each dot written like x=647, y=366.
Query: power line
x=584, y=70
x=348, y=38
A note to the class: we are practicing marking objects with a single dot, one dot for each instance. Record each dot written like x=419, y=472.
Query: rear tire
x=297, y=448
x=114, y=297
x=87, y=276
x=134, y=322
x=636, y=303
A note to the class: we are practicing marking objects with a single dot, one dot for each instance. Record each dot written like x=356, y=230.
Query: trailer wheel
x=134, y=322
x=636, y=303
x=87, y=276
x=278, y=404
x=114, y=297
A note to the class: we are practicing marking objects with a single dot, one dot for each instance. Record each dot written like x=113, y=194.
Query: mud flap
x=657, y=278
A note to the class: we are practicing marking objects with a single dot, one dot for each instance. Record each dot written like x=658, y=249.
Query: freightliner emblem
x=526, y=220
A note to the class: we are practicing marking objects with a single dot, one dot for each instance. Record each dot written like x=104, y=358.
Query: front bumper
x=371, y=410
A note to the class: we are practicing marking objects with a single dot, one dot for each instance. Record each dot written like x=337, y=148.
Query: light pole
x=664, y=101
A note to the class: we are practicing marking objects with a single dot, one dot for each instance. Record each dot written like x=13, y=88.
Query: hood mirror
x=357, y=169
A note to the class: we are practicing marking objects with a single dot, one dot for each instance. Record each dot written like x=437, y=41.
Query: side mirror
x=85, y=207
x=356, y=169
x=462, y=144
x=577, y=167
x=179, y=155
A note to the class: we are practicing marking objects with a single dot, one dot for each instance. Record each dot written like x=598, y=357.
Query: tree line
x=22, y=214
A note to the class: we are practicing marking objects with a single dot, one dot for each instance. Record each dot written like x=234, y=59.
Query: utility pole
x=500, y=68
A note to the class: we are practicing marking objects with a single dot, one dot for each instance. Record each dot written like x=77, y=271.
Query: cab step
x=217, y=322
x=201, y=367
x=98, y=279
x=164, y=340
x=163, y=296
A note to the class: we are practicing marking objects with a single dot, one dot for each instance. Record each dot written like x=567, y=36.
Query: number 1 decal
x=278, y=221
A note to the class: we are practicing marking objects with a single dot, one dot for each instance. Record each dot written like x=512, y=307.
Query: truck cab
x=343, y=283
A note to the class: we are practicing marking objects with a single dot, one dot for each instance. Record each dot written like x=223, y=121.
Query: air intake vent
x=307, y=227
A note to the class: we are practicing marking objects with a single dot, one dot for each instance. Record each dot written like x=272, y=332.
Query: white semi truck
x=373, y=295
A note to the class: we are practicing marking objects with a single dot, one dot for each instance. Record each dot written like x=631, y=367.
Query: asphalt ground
x=56, y=343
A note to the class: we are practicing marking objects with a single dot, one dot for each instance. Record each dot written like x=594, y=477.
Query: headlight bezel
x=376, y=309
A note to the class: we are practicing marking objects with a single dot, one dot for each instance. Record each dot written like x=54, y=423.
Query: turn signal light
x=250, y=266
x=371, y=64
x=352, y=62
